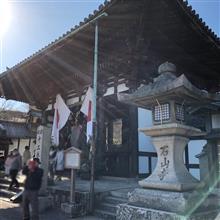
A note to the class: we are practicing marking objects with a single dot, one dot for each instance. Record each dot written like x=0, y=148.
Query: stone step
x=120, y=194
x=105, y=214
x=5, y=186
x=6, y=193
x=107, y=207
x=5, y=199
x=114, y=200
x=5, y=180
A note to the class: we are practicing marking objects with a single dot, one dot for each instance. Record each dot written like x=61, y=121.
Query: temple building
x=134, y=40
x=18, y=125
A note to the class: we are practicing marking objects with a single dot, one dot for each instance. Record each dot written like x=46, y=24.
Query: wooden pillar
x=29, y=144
x=43, y=143
x=133, y=141
x=18, y=145
x=187, y=157
x=1, y=90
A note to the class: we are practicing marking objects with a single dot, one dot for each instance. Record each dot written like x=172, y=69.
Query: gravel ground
x=10, y=211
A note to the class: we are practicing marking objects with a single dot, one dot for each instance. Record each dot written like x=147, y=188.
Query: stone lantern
x=210, y=156
x=170, y=187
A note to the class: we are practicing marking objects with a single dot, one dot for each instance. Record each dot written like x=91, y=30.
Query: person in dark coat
x=32, y=185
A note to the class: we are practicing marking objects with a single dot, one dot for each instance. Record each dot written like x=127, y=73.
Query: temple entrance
x=120, y=147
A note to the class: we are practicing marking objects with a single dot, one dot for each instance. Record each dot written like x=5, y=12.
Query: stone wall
x=61, y=196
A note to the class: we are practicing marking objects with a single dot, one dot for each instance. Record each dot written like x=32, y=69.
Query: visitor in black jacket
x=32, y=186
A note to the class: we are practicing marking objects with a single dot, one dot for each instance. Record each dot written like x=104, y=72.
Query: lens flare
x=5, y=17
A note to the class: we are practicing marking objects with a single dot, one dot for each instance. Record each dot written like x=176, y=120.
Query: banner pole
x=94, y=120
x=94, y=114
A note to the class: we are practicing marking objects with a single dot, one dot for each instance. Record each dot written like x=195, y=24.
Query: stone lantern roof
x=167, y=86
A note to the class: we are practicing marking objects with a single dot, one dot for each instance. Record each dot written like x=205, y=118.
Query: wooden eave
x=168, y=29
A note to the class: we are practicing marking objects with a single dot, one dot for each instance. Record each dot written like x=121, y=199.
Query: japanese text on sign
x=164, y=165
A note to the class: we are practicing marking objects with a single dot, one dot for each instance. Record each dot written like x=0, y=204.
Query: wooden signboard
x=39, y=143
x=72, y=158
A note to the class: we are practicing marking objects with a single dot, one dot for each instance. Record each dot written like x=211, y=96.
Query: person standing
x=15, y=168
x=59, y=161
x=8, y=163
x=32, y=185
x=26, y=155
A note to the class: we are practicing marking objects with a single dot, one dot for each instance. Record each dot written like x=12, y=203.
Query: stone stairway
x=106, y=209
x=6, y=194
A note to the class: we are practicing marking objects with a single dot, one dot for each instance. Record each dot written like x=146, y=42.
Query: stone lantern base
x=166, y=205
x=125, y=212
x=170, y=193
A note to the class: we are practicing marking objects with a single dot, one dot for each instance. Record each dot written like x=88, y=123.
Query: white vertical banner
x=87, y=110
x=61, y=115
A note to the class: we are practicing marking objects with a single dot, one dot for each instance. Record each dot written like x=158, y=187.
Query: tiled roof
x=198, y=20
x=15, y=130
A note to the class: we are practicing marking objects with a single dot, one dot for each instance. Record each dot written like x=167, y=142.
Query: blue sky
x=35, y=23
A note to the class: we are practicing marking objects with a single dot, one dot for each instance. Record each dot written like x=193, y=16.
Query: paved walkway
x=104, y=184
x=10, y=211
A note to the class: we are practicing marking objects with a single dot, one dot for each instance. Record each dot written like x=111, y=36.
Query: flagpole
x=94, y=115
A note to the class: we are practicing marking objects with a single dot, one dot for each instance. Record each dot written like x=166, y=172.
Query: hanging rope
x=182, y=110
x=161, y=118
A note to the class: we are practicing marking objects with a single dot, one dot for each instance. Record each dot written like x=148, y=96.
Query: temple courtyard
x=109, y=191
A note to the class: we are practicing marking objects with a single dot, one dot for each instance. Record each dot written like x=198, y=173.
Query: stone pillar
x=208, y=164
x=204, y=165
x=213, y=149
x=218, y=164
x=43, y=143
x=170, y=172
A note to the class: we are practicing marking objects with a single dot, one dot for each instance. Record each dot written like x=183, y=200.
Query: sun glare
x=5, y=17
